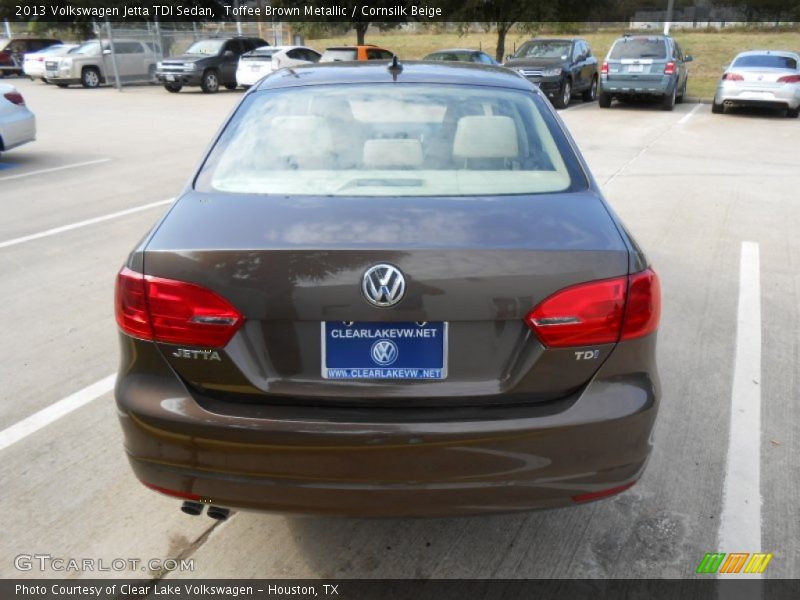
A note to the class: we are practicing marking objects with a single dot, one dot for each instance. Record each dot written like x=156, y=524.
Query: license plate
x=50, y=74
x=635, y=68
x=375, y=351
x=255, y=67
x=170, y=77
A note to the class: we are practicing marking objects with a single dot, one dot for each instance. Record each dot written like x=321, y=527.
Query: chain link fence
x=130, y=55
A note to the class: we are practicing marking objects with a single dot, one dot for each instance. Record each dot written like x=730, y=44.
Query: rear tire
x=793, y=113
x=90, y=77
x=590, y=95
x=173, y=88
x=604, y=100
x=564, y=94
x=210, y=82
x=668, y=103
x=679, y=98
x=717, y=109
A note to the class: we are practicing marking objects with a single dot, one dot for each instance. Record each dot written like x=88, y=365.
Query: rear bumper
x=18, y=128
x=732, y=93
x=393, y=462
x=620, y=85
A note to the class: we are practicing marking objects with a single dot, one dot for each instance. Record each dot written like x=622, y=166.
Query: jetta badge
x=383, y=285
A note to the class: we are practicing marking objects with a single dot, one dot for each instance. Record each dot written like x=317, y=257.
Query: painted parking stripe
x=740, y=523
x=53, y=169
x=689, y=115
x=52, y=413
x=79, y=224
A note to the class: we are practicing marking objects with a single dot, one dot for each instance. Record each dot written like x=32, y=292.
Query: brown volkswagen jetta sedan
x=389, y=290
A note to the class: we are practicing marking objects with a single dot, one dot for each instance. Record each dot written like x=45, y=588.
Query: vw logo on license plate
x=384, y=352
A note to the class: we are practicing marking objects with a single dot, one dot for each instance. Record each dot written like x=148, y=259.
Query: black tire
x=173, y=88
x=230, y=86
x=668, y=102
x=564, y=94
x=604, y=100
x=679, y=98
x=793, y=113
x=90, y=77
x=210, y=82
x=590, y=95
x=717, y=109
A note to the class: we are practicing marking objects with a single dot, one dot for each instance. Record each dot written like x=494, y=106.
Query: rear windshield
x=766, y=61
x=639, y=47
x=544, y=49
x=391, y=140
x=454, y=56
x=339, y=54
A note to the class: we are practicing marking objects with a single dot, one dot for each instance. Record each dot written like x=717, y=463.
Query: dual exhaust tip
x=196, y=508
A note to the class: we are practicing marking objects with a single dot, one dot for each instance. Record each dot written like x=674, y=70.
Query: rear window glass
x=544, y=49
x=339, y=54
x=766, y=61
x=391, y=140
x=639, y=47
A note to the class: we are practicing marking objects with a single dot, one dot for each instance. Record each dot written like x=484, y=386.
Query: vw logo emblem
x=384, y=352
x=383, y=285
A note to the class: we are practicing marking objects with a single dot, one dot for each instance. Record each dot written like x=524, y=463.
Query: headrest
x=306, y=136
x=392, y=154
x=485, y=137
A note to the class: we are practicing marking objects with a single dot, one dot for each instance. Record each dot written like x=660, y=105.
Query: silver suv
x=90, y=64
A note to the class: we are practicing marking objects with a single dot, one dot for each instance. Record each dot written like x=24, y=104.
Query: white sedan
x=33, y=63
x=262, y=61
x=17, y=123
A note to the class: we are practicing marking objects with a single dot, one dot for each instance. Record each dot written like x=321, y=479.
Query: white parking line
x=44, y=417
x=740, y=524
x=79, y=224
x=689, y=115
x=51, y=170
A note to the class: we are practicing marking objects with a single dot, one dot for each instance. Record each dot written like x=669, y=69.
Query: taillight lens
x=599, y=312
x=789, y=79
x=588, y=497
x=176, y=312
x=669, y=68
x=582, y=315
x=174, y=493
x=732, y=77
x=643, y=309
x=604, y=68
x=14, y=98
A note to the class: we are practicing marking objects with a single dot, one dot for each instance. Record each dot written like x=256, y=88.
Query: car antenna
x=395, y=68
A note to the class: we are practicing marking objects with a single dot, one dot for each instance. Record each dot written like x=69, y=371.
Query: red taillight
x=14, y=98
x=789, y=79
x=732, y=77
x=172, y=311
x=669, y=68
x=643, y=309
x=174, y=493
x=599, y=312
x=603, y=493
x=604, y=68
x=582, y=315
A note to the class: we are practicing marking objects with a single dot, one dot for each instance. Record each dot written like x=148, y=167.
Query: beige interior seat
x=482, y=137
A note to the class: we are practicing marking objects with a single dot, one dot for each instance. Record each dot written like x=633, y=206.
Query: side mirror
x=688, y=58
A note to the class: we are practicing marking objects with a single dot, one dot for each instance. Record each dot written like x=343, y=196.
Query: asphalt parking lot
x=713, y=200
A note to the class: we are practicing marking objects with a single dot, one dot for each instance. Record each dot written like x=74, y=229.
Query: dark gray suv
x=643, y=66
x=560, y=67
x=389, y=290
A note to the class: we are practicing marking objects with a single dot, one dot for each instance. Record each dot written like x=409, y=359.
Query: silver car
x=765, y=78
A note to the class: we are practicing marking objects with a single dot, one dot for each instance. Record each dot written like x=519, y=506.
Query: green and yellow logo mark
x=736, y=562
